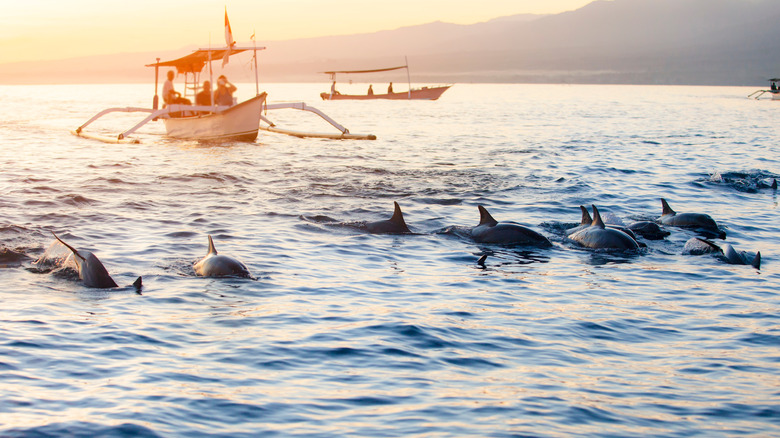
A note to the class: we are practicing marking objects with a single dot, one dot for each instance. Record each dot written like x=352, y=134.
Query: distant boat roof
x=365, y=71
x=195, y=61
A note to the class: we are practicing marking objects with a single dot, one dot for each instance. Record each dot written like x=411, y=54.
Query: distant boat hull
x=236, y=123
x=775, y=95
x=425, y=93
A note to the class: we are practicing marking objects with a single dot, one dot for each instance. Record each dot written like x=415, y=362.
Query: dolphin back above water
x=599, y=236
x=490, y=230
x=698, y=246
x=699, y=222
x=91, y=271
x=216, y=265
x=394, y=225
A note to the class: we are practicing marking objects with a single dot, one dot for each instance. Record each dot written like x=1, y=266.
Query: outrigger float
x=423, y=93
x=238, y=122
x=773, y=90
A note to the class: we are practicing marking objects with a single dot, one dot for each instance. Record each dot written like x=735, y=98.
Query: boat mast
x=257, y=73
x=156, y=100
x=408, y=78
x=211, y=77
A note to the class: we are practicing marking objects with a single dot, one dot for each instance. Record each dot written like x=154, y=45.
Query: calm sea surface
x=345, y=333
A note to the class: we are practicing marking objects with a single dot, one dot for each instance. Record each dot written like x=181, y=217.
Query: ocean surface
x=340, y=332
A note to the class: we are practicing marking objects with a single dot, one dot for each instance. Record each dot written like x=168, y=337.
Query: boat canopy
x=376, y=70
x=195, y=61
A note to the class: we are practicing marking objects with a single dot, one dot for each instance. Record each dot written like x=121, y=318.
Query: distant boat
x=773, y=90
x=236, y=122
x=423, y=93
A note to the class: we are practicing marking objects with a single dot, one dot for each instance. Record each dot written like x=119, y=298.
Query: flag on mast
x=228, y=39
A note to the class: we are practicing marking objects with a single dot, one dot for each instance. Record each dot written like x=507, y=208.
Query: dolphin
x=91, y=271
x=490, y=230
x=584, y=222
x=698, y=246
x=394, y=225
x=735, y=257
x=598, y=236
x=699, y=222
x=215, y=265
x=648, y=230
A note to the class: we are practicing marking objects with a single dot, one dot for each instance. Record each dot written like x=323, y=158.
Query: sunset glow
x=52, y=29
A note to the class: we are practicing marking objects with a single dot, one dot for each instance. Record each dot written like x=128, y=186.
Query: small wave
x=82, y=429
x=182, y=234
x=14, y=229
x=39, y=189
x=76, y=200
x=743, y=181
x=10, y=258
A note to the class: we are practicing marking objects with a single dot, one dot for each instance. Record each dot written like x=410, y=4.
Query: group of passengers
x=222, y=96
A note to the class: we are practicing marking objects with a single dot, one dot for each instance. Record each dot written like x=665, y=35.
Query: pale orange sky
x=56, y=29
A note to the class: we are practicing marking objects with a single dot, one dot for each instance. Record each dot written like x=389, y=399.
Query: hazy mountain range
x=706, y=42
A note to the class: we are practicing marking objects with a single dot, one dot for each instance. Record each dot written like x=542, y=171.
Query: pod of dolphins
x=592, y=233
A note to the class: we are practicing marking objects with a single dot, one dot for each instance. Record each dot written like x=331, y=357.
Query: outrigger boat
x=238, y=122
x=424, y=93
x=773, y=90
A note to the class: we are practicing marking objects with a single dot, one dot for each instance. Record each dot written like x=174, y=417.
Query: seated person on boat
x=224, y=93
x=204, y=97
x=171, y=96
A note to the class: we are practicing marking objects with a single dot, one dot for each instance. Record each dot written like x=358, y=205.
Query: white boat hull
x=775, y=95
x=236, y=123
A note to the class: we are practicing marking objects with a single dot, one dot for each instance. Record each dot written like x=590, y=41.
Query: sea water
x=345, y=333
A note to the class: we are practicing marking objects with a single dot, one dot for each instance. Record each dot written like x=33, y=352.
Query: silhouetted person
x=170, y=95
x=204, y=97
x=390, y=88
x=370, y=90
x=224, y=93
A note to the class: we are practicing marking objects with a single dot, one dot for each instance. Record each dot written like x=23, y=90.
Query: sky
x=35, y=30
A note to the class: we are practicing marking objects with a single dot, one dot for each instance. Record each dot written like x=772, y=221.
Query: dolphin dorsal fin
x=665, y=209
x=757, y=260
x=774, y=184
x=586, y=219
x=212, y=250
x=398, y=217
x=485, y=218
x=597, y=222
x=69, y=247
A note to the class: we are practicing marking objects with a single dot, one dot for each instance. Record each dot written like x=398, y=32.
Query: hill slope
x=728, y=42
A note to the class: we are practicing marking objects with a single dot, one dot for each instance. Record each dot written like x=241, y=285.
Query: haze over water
x=344, y=333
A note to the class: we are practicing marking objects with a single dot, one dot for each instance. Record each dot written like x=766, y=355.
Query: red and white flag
x=228, y=39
